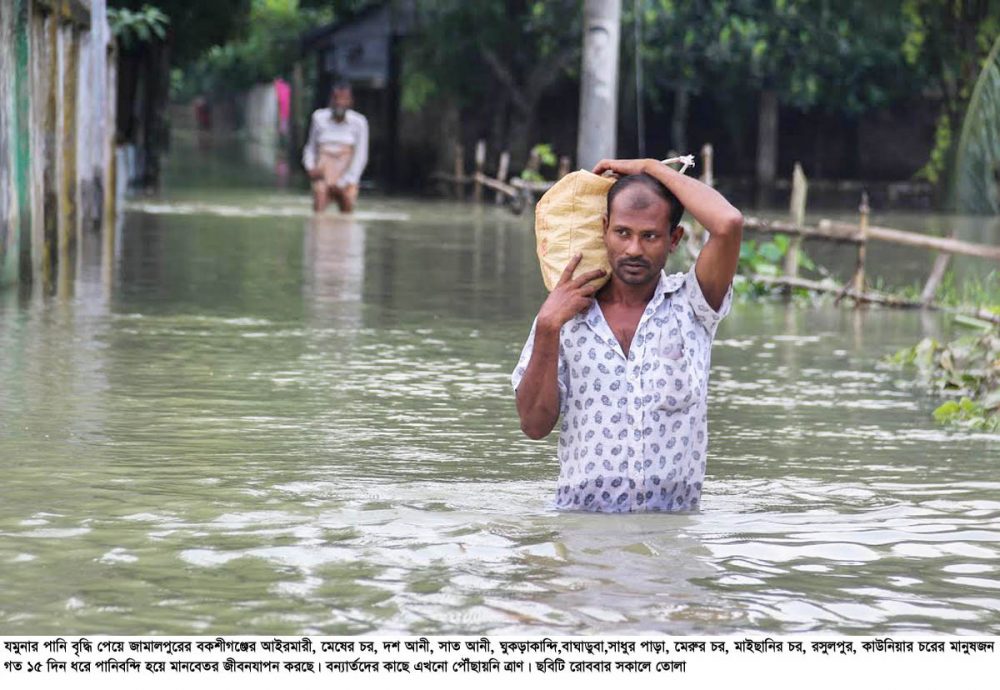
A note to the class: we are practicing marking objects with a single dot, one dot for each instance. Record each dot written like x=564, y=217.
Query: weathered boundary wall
x=259, y=106
x=56, y=134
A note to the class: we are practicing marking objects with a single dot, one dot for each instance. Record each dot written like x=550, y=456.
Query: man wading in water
x=628, y=366
x=337, y=151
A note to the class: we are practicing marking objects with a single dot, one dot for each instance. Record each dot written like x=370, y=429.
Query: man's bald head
x=646, y=191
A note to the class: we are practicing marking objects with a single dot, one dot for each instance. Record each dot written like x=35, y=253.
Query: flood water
x=251, y=422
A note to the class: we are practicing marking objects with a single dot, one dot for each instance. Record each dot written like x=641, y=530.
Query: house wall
x=56, y=128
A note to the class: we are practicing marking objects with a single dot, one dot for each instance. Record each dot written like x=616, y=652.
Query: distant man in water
x=337, y=151
x=627, y=364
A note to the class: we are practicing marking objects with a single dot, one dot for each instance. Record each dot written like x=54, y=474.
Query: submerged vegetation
x=967, y=371
x=767, y=259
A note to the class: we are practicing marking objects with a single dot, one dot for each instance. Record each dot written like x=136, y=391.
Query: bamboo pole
x=914, y=239
x=477, y=187
x=859, y=272
x=532, y=187
x=849, y=233
x=847, y=290
x=563, y=167
x=846, y=233
x=696, y=237
x=534, y=163
x=872, y=297
x=937, y=274
x=298, y=111
x=502, y=173
x=501, y=188
x=797, y=211
x=513, y=189
x=459, y=172
x=707, y=173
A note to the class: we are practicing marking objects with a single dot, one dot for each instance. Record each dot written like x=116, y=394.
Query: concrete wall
x=259, y=107
x=56, y=130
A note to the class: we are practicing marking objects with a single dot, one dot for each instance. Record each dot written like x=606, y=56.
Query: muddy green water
x=253, y=422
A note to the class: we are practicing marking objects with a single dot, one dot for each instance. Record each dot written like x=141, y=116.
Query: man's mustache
x=641, y=263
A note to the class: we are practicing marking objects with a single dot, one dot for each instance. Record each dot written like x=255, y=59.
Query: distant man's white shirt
x=324, y=131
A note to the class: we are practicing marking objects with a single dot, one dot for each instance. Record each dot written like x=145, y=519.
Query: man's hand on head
x=569, y=297
x=624, y=166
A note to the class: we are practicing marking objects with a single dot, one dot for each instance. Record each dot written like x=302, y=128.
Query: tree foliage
x=523, y=45
x=501, y=57
x=267, y=48
x=947, y=42
x=137, y=26
x=507, y=53
x=843, y=57
x=194, y=26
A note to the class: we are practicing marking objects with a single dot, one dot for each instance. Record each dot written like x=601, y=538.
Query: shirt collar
x=668, y=285
x=594, y=317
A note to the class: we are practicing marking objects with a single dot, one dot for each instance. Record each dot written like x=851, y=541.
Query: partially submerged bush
x=966, y=370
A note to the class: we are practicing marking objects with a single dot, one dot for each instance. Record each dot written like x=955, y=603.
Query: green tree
x=194, y=26
x=841, y=57
x=948, y=41
x=507, y=51
x=139, y=26
x=266, y=48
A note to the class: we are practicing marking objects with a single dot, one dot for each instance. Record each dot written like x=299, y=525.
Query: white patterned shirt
x=634, y=429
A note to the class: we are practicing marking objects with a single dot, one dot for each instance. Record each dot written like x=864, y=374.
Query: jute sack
x=569, y=221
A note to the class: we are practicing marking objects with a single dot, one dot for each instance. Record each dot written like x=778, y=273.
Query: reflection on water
x=274, y=424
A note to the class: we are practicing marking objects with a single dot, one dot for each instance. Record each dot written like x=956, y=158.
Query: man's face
x=340, y=101
x=637, y=236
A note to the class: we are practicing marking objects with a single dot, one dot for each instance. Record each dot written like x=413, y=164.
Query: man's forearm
x=538, y=392
x=708, y=207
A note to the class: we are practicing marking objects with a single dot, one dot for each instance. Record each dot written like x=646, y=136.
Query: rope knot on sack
x=685, y=161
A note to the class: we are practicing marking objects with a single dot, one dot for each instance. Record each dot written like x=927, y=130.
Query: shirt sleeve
x=562, y=375
x=703, y=312
x=360, y=158
x=309, y=151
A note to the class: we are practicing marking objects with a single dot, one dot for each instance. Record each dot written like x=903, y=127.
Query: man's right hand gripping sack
x=569, y=220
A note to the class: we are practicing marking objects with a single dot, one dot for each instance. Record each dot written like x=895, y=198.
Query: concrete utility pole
x=599, y=82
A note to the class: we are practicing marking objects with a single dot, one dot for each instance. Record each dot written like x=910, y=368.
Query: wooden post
x=477, y=188
x=459, y=172
x=697, y=237
x=797, y=210
x=563, y=167
x=937, y=274
x=298, y=112
x=767, y=139
x=707, y=174
x=859, y=272
x=502, y=173
x=534, y=162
